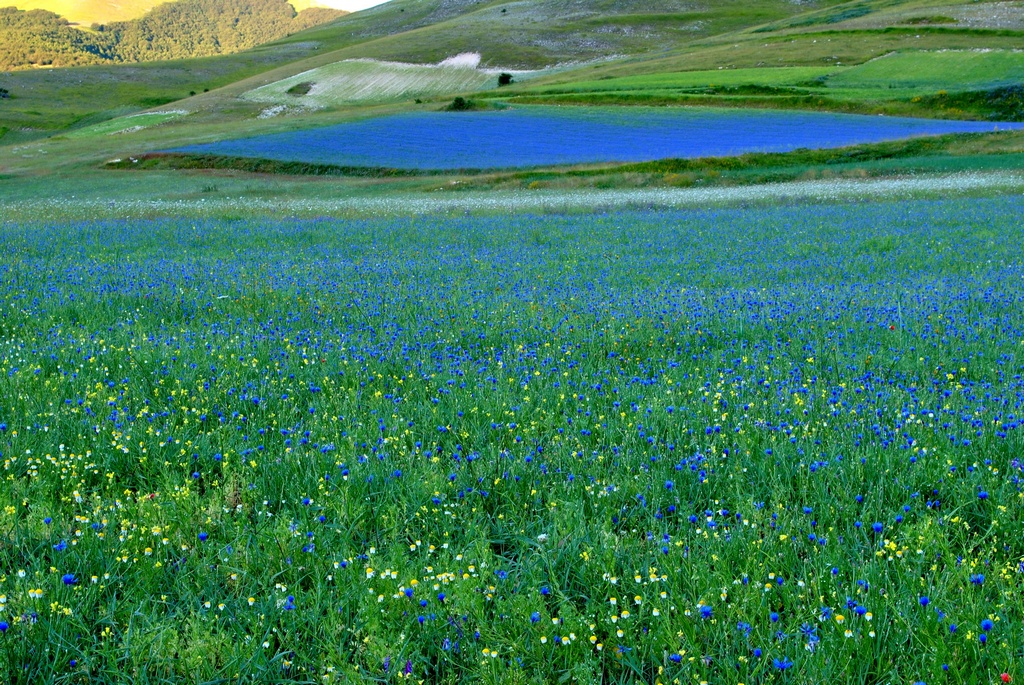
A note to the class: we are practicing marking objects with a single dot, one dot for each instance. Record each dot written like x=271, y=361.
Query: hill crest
x=89, y=12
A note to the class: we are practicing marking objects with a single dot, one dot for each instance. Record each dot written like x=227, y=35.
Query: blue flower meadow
x=733, y=445
x=539, y=135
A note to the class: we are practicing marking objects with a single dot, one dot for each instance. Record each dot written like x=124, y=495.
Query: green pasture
x=127, y=124
x=920, y=72
x=690, y=80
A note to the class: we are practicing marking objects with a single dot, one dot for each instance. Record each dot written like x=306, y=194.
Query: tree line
x=176, y=30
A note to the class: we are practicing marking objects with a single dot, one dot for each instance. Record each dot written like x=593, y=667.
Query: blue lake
x=538, y=136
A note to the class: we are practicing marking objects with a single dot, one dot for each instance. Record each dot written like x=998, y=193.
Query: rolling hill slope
x=666, y=52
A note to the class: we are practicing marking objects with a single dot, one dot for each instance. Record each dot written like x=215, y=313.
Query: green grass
x=919, y=72
x=912, y=83
x=48, y=101
x=696, y=80
x=128, y=124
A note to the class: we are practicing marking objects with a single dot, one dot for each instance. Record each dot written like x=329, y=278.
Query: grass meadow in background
x=772, y=445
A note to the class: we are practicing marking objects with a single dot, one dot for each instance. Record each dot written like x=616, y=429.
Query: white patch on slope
x=470, y=60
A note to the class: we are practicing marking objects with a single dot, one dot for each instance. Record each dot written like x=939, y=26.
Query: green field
x=127, y=124
x=928, y=72
x=693, y=80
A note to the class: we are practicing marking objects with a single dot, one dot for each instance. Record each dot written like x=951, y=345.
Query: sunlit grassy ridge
x=88, y=12
x=517, y=448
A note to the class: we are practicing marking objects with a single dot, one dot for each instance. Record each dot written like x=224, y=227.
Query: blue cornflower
x=877, y=527
x=705, y=611
x=924, y=601
x=289, y=603
x=203, y=536
x=47, y=520
x=535, y=617
x=977, y=578
x=69, y=579
x=782, y=664
x=545, y=590
x=4, y=626
x=676, y=658
x=987, y=625
x=773, y=617
x=982, y=495
x=61, y=546
x=669, y=485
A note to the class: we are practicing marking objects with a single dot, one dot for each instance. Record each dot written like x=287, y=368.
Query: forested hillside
x=188, y=28
x=41, y=38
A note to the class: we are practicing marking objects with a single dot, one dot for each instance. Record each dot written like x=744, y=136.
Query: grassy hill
x=187, y=28
x=526, y=34
x=88, y=12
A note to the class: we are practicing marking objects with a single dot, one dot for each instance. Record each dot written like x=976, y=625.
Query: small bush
x=504, y=79
x=300, y=89
x=461, y=104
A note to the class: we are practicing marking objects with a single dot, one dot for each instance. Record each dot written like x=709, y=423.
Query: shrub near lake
x=774, y=445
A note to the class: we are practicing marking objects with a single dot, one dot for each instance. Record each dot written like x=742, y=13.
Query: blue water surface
x=538, y=136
